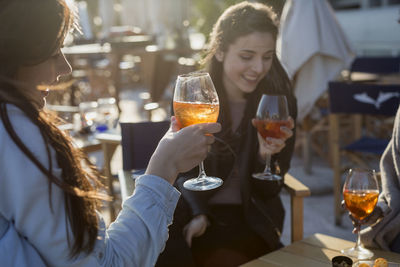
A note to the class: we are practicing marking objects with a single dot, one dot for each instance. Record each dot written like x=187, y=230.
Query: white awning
x=313, y=49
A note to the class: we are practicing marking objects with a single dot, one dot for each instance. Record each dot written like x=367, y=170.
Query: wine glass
x=272, y=113
x=360, y=193
x=196, y=101
x=108, y=113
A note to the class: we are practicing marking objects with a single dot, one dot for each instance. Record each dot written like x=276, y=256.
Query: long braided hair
x=31, y=31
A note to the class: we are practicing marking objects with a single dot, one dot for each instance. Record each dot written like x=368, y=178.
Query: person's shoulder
x=16, y=115
x=20, y=121
x=25, y=129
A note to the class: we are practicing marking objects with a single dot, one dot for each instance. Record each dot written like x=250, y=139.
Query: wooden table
x=88, y=143
x=314, y=251
x=109, y=143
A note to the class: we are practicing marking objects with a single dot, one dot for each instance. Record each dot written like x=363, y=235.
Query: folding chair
x=353, y=107
x=377, y=65
x=138, y=140
x=363, y=69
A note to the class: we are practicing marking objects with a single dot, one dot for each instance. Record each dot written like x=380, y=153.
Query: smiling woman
x=243, y=219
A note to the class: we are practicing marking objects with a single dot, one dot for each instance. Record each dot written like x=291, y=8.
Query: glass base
x=203, y=183
x=267, y=176
x=358, y=252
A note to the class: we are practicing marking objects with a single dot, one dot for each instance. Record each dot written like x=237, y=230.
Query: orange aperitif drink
x=188, y=113
x=360, y=203
x=196, y=101
x=271, y=128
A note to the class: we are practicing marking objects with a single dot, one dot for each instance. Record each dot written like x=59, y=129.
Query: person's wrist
x=203, y=218
x=162, y=167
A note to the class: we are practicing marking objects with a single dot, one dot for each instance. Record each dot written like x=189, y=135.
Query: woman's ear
x=219, y=55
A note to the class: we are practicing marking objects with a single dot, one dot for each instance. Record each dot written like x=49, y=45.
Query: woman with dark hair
x=49, y=191
x=244, y=218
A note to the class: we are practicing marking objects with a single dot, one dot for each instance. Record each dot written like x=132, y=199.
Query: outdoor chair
x=376, y=65
x=139, y=140
x=298, y=192
x=159, y=68
x=360, y=125
x=313, y=130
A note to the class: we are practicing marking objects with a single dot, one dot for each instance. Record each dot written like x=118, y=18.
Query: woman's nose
x=258, y=65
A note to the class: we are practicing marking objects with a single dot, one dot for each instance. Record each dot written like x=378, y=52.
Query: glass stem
x=358, y=244
x=267, y=164
x=202, y=173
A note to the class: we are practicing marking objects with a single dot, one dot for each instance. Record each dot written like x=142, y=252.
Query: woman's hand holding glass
x=271, y=118
x=371, y=219
x=196, y=101
x=270, y=145
x=180, y=151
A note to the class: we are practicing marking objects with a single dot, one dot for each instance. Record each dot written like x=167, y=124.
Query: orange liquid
x=192, y=113
x=271, y=128
x=360, y=203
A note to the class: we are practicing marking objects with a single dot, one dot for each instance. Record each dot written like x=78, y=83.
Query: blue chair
x=139, y=141
x=352, y=106
x=377, y=65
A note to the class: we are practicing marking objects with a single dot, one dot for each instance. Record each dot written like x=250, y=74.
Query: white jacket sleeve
x=140, y=230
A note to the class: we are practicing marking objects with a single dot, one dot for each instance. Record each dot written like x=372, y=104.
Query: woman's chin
x=42, y=101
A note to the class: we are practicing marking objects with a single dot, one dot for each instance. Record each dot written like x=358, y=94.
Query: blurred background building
x=371, y=25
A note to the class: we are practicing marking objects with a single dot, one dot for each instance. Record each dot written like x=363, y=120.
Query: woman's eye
x=267, y=58
x=245, y=57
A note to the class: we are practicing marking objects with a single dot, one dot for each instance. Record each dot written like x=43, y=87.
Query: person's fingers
x=273, y=145
x=187, y=235
x=210, y=139
x=287, y=132
x=209, y=128
x=274, y=141
x=291, y=123
x=174, y=124
x=253, y=122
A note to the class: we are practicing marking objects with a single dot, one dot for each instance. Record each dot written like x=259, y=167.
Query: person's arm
x=176, y=152
x=390, y=195
x=138, y=234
